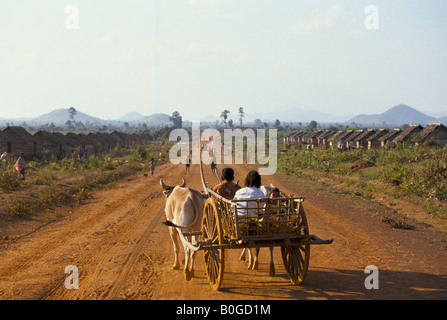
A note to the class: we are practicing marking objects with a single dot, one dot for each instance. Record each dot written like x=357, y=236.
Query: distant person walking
x=187, y=163
x=20, y=166
x=152, y=166
x=214, y=166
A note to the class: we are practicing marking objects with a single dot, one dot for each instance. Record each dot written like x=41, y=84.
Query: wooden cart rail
x=260, y=219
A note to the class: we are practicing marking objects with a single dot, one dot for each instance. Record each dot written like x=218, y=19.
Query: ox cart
x=255, y=223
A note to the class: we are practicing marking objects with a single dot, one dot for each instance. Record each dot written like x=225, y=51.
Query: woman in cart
x=227, y=188
x=251, y=191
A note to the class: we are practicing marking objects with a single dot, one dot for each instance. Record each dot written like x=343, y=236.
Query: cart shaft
x=308, y=240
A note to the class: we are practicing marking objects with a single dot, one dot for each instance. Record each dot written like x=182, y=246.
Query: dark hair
x=253, y=179
x=227, y=174
x=274, y=193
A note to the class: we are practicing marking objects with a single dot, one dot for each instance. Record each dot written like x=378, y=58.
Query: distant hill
x=156, y=119
x=153, y=120
x=132, y=116
x=396, y=116
x=442, y=120
x=60, y=116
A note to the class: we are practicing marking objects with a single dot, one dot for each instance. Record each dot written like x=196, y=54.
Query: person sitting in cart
x=227, y=188
x=251, y=191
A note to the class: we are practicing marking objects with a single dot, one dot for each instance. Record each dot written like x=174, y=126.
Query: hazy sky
x=200, y=57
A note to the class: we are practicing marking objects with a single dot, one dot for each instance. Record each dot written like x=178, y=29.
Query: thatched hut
x=116, y=135
x=340, y=141
x=105, y=140
x=124, y=138
x=435, y=132
x=312, y=137
x=111, y=141
x=298, y=137
x=360, y=140
x=5, y=143
x=84, y=146
x=287, y=137
x=324, y=138
x=329, y=140
x=387, y=140
x=47, y=141
x=136, y=138
x=410, y=135
x=373, y=141
x=145, y=137
x=350, y=141
x=68, y=145
x=101, y=143
x=21, y=141
x=91, y=146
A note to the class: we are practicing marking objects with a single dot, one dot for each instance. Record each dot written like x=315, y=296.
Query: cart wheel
x=212, y=232
x=296, y=258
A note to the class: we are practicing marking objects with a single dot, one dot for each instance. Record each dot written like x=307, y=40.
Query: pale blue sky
x=200, y=57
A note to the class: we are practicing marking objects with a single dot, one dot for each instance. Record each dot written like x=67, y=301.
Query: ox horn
x=164, y=186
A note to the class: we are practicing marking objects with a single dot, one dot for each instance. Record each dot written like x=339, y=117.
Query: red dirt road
x=122, y=251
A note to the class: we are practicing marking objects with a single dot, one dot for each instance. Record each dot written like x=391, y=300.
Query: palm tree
x=224, y=116
x=176, y=119
x=72, y=112
x=241, y=115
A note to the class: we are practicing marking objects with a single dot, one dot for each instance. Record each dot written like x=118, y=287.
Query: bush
x=9, y=181
x=20, y=208
x=52, y=195
x=140, y=153
x=82, y=194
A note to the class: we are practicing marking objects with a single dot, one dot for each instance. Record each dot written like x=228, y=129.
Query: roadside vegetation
x=416, y=173
x=51, y=182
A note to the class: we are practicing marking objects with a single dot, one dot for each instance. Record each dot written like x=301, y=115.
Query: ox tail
x=170, y=224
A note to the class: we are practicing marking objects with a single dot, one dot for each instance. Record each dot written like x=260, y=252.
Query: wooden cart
x=255, y=223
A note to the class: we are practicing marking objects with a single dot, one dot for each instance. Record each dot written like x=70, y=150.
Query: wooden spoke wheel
x=296, y=258
x=212, y=234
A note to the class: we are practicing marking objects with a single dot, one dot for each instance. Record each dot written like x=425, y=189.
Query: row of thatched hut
x=15, y=140
x=370, y=139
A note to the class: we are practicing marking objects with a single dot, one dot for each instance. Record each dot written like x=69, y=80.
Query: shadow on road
x=334, y=284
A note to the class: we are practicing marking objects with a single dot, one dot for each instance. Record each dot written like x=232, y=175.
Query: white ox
x=184, y=212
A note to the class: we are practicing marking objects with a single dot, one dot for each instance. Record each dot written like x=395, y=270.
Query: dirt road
x=122, y=251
